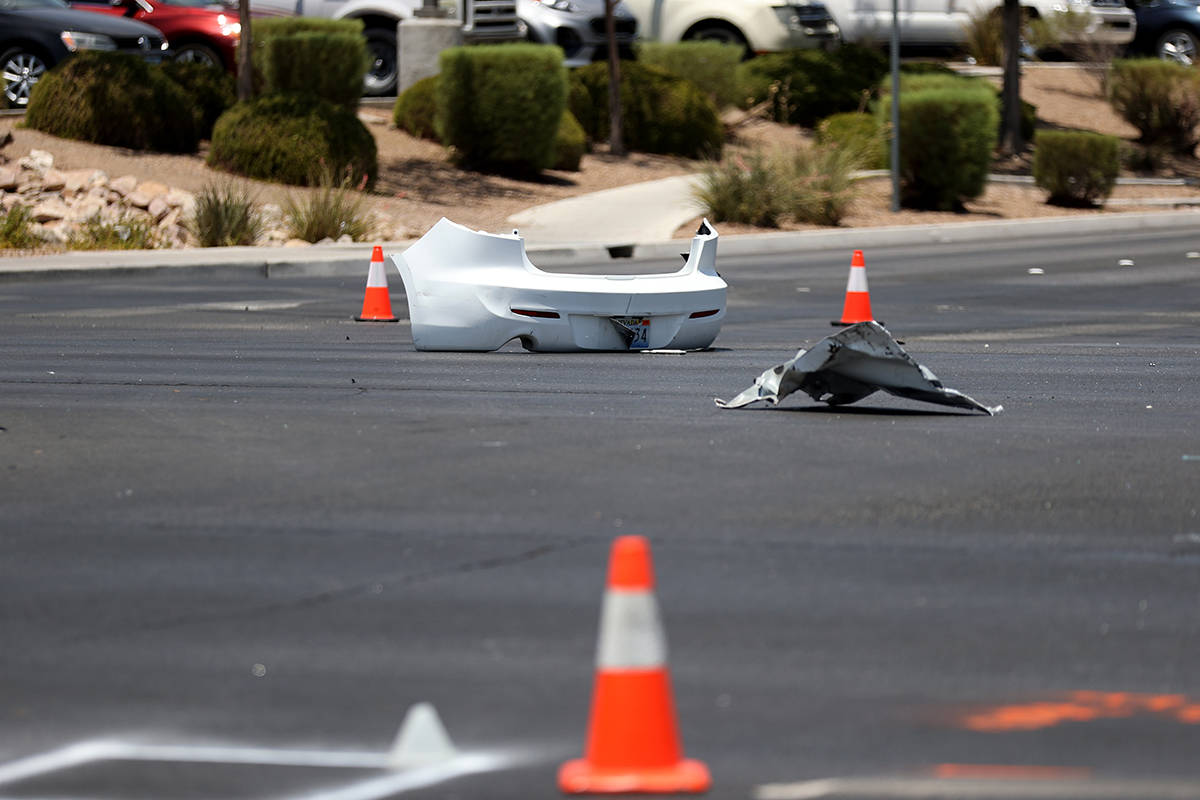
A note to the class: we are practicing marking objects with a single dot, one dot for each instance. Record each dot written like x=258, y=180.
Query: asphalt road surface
x=242, y=535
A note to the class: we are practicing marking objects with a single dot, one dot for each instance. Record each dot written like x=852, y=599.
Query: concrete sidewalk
x=634, y=221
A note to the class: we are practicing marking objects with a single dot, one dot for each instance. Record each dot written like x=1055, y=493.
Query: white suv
x=945, y=22
x=483, y=21
x=760, y=26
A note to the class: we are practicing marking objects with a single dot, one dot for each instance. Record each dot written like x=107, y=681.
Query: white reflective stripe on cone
x=858, y=280
x=375, y=275
x=631, y=635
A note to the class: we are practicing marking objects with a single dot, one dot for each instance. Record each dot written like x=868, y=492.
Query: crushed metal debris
x=850, y=365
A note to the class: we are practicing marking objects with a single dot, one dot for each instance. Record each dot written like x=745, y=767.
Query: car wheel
x=716, y=32
x=1178, y=45
x=20, y=69
x=198, y=54
x=380, y=80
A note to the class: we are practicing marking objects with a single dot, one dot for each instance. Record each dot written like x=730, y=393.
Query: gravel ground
x=417, y=184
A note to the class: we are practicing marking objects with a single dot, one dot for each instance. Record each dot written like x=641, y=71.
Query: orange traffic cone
x=633, y=743
x=377, y=306
x=858, y=298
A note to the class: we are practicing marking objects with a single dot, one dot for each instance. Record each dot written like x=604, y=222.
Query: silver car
x=577, y=26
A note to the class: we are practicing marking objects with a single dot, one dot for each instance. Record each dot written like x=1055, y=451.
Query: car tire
x=20, y=69
x=1178, y=45
x=718, y=32
x=196, y=53
x=380, y=80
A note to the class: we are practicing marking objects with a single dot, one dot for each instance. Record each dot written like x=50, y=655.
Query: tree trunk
x=1011, y=142
x=245, y=78
x=616, y=143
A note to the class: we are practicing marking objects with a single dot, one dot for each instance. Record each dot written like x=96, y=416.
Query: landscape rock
x=50, y=211
x=61, y=203
x=124, y=185
x=37, y=161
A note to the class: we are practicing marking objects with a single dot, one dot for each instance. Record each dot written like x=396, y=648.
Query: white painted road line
x=408, y=780
x=377, y=788
x=960, y=789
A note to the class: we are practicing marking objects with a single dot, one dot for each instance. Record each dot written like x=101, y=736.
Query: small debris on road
x=850, y=365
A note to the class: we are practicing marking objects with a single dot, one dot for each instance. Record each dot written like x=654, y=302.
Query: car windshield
x=19, y=5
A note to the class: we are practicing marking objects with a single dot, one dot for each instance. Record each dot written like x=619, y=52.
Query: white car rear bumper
x=472, y=290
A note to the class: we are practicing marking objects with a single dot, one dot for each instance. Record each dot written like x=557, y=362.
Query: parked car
x=578, y=27
x=1169, y=29
x=760, y=26
x=945, y=24
x=482, y=21
x=196, y=30
x=36, y=35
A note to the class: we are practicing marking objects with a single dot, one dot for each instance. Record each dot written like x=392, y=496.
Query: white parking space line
x=376, y=788
x=960, y=789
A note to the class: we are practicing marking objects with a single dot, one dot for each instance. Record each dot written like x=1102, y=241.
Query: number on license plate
x=635, y=329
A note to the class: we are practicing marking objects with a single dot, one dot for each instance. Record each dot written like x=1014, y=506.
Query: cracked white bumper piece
x=472, y=290
x=849, y=365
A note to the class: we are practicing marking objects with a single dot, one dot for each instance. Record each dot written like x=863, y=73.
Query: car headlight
x=228, y=27
x=77, y=40
x=557, y=5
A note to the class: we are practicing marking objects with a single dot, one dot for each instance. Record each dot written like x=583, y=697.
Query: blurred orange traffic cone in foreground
x=633, y=742
x=858, y=298
x=377, y=306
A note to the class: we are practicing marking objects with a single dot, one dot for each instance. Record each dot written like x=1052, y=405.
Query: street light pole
x=895, y=154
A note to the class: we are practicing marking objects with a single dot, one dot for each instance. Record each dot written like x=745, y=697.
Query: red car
x=197, y=30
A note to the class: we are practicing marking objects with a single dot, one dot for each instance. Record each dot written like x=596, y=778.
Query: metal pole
x=895, y=156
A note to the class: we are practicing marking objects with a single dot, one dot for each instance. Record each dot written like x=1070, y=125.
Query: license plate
x=636, y=330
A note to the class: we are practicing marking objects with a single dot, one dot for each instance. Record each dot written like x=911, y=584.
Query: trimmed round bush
x=415, y=111
x=210, y=91
x=660, y=112
x=114, y=99
x=1077, y=168
x=570, y=144
x=711, y=65
x=947, y=137
x=293, y=138
x=500, y=106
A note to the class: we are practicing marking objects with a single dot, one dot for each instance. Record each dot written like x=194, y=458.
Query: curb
x=352, y=259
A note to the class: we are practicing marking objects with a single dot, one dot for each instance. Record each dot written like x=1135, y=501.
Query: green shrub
x=711, y=65
x=16, y=231
x=126, y=232
x=210, y=91
x=660, y=112
x=822, y=182
x=946, y=141
x=1159, y=98
x=948, y=79
x=225, y=216
x=1077, y=168
x=804, y=86
x=751, y=191
x=985, y=37
x=328, y=64
x=289, y=138
x=859, y=131
x=500, y=106
x=812, y=185
x=113, y=99
x=569, y=144
x=415, y=111
x=335, y=210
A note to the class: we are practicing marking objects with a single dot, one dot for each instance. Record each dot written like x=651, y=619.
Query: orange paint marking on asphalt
x=1009, y=772
x=1079, y=706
